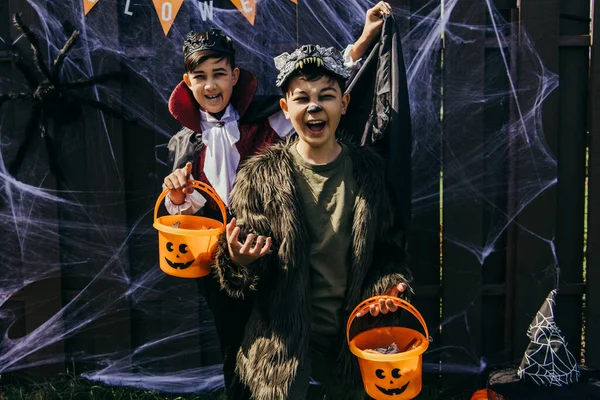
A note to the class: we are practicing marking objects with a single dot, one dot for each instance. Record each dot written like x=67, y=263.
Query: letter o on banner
x=167, y=11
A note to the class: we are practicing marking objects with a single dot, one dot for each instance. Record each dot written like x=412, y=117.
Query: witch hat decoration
x=547, y=360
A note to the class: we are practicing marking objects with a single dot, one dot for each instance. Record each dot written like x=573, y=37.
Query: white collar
x=207, y=120
x=222, y=157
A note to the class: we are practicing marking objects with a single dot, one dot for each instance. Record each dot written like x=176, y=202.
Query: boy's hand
x=374, y=20
x=372, y=29
x=248, y=252
x=386, y=305
x=176, y=182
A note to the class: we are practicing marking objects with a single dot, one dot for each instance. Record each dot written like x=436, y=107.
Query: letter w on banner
x=167, y=10
x=247, y=7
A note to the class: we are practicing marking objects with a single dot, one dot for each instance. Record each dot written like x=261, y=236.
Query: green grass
x=68, y=386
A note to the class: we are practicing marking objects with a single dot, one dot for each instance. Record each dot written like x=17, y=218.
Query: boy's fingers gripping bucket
x=187, y=243
x=390, y=376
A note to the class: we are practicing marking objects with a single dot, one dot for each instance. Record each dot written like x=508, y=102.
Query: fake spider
x=52, y=99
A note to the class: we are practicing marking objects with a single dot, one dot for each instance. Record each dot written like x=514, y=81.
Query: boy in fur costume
x=224, y=125
x=311, y=239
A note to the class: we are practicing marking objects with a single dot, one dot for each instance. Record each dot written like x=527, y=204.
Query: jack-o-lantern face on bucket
x=182, y=258
x=389, y=382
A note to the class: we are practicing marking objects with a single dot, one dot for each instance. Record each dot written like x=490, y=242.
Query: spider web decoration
x=53, y=101
x=547, y=360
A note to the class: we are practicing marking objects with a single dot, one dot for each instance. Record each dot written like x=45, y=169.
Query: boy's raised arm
x=371, y=30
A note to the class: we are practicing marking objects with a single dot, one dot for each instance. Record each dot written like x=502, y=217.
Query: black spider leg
x=60, y=58
x=17, y=60
x=33, y=40
x=13, y=96
x=34, y=122
x=51, y=152
x=103, y=107
x=94, y=80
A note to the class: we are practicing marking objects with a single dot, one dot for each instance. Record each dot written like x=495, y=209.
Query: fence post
x=424, y=237
x=592, y=324
x=535, y=262
x=41, y=298
x=463, y=131
x=571, y=142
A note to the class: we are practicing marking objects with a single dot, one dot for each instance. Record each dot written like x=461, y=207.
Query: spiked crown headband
x=213, y=39
x=328, y=58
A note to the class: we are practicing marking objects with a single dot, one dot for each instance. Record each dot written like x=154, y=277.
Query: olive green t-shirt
x=327, y=192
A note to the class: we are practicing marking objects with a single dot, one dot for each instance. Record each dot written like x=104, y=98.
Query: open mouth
x=214, y=97
x=393, y=392
x=316, y=126
x=176, y=265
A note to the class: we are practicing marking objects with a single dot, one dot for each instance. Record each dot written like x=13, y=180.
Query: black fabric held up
x=379, y=103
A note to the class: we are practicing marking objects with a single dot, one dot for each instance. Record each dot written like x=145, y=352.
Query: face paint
x=314, y=109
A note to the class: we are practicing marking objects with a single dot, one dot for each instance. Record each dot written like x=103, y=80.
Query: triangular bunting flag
x=167, y=10
x=247, y=7
x=88, y=5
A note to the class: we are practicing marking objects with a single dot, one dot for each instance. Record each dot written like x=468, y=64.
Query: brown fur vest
x=265, y=201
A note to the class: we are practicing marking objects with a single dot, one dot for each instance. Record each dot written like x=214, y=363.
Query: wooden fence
x=494, y=300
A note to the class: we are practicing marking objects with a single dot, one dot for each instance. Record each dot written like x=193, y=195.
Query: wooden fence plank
x=4, y=27
x=12, y=310
x=592, y=323
x=160, y=315
x=42, y=298
x=93, y=233
x=511, y=195
x=535, y=261
x=463, y=125
x=572, y=142
x=313, y=28
x=497, y=118
x=424, y=238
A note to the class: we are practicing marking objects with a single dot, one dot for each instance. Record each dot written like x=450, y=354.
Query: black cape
x=379, y=116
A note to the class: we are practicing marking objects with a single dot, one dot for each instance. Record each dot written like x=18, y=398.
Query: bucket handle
x=198, y=185
x=397, y=301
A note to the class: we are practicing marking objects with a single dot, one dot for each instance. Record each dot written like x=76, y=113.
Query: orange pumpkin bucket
x=187, y=243
x=487, y=394
x=481, y=394
x=390, y=376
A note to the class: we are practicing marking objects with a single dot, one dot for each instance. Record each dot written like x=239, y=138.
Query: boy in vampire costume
x=313, y=236
x=223, y=125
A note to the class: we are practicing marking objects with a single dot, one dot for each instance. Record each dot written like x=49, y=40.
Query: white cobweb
x=108, y=268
